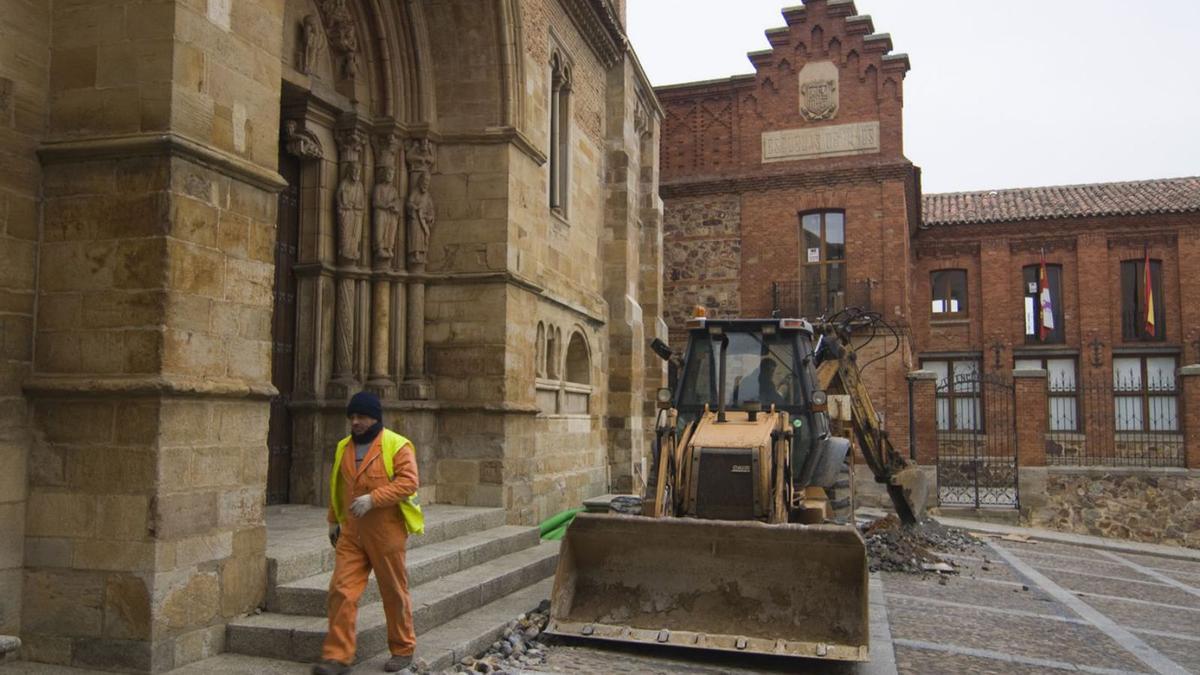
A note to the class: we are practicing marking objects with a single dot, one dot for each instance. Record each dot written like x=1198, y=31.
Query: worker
x=767, y=390
x=372, y=509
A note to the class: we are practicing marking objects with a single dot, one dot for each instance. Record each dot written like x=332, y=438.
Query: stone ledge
x=1060, y=469
x=161, y=145
x=496, y=135
x=155, y=385
x=1029, y=372
x=411, y=405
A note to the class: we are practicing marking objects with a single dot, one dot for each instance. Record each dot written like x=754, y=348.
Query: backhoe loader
x=739, y=547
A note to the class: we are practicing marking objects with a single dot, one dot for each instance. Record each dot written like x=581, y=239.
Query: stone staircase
x=469, y=575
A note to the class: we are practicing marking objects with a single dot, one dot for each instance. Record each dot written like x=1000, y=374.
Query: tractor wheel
x=841, y=495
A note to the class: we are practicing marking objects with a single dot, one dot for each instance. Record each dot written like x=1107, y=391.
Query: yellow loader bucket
x=740, y=586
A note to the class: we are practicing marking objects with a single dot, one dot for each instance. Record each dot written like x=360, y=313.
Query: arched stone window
x=577, y=385
x=539, y=358
x=579, y=370
x=560, y=132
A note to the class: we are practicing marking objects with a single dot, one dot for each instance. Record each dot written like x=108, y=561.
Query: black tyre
x=841, y=496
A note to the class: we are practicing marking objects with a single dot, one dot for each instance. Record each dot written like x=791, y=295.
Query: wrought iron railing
x=1121, y=423
x=813, y=301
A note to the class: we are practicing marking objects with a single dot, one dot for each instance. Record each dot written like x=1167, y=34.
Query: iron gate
x=976, y=442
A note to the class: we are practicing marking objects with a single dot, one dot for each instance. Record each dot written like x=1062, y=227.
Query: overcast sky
x=1015, y=93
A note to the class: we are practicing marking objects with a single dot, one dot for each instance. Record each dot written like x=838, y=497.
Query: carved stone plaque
x=819, y=91
x=843, y=139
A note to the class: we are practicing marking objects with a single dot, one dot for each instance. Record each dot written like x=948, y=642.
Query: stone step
x=298, y=538
x=298, y=638
x=307, y=596
x=441, y=647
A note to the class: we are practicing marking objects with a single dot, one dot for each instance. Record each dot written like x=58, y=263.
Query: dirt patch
x=915, y=549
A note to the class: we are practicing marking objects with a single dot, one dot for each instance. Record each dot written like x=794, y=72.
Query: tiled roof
x=1166, y=195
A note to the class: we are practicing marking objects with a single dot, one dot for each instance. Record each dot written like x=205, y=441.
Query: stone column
x=381, y=322
x=419, y=218
x=415, y=385
x=351, y=206
x=1189, y=403
x=923, y=403
x=385, y=209
x=1031, y=407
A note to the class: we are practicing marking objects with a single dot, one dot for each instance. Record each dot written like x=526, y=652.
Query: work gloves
x=334, y=532
x=360, y=506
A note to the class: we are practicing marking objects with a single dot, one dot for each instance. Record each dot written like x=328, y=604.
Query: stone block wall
x=1159, y=506
x=702, y=259
x=24, y=82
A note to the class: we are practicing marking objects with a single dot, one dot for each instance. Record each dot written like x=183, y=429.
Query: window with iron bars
x=1145, y=393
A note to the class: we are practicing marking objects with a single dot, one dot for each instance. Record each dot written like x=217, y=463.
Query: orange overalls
x=374, y=542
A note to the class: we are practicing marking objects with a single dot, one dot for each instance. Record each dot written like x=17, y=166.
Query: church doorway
x=283, y=333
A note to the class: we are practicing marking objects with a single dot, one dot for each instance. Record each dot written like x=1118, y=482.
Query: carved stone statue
x=313, y=43
x=351, y=203
x=420, y=213
x=342, y=35
x=385, y=200
x=301, y=142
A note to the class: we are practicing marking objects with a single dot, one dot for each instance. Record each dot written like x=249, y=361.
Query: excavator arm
x=838, y=373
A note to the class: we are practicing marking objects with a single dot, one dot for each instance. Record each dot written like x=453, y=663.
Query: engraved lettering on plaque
x=843, y=139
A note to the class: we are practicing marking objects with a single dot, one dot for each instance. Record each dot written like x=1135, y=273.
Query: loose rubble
x=518, y=647
x=892, y=547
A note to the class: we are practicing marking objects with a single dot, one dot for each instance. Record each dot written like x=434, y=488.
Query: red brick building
x=788, y=189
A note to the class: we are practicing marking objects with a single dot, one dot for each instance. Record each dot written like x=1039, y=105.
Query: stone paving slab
x=913, y=661
x=1135, y=615
x=1025, y=636
x=1149, y=590
x=1184, y=652
x=965, y=591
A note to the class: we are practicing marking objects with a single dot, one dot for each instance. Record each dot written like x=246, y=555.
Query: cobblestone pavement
x=1015, y=607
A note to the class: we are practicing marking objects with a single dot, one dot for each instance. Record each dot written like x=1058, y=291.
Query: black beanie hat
x=365, y=403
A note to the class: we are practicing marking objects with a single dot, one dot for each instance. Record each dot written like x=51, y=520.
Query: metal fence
x=1118, y=423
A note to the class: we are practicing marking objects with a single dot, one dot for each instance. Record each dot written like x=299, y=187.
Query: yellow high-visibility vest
x=389, y=445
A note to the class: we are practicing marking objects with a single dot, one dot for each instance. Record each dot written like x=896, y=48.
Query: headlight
x=664, y=395
x=818, y=398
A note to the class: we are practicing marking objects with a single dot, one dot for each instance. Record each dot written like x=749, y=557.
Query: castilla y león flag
x=1045, y=303
x=1149, y=293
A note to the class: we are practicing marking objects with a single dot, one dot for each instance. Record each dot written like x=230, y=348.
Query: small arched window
x=539, y=359
x=552, y=340
x=579, y=370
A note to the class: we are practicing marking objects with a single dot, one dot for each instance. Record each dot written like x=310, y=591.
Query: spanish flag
x=1149, y=294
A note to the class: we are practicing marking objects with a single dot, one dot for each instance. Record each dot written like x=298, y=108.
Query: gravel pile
x=892, y=547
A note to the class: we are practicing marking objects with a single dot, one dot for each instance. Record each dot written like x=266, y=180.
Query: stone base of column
x=415, y=390
x=343, y=388
x=381, y=387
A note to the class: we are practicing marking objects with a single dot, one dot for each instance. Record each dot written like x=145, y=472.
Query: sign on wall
x=842, y=139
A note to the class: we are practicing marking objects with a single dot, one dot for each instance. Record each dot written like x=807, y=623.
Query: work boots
x=398, y=663
x=330, y=668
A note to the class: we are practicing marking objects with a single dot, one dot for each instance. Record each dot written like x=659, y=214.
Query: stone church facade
x=219, y=218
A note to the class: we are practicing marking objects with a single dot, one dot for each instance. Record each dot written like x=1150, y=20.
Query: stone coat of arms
x=818, y=100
